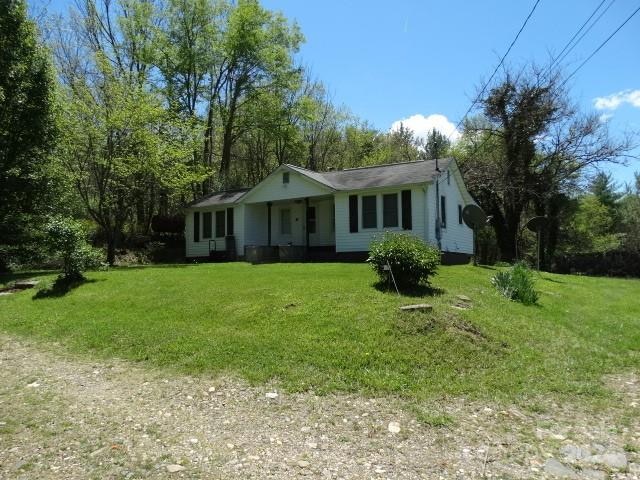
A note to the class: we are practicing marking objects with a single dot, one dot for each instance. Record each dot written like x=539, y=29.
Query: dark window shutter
x=390, y=210
x=369, y=212
x=406, y=210
x=206, y=224
x=311, y=219
x=229, y=221
x=353, y=213
x=196, y=226
x=460, y=214
x=220, y=223
x=443, y=211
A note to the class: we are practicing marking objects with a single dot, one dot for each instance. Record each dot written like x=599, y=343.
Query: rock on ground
x=111, y=419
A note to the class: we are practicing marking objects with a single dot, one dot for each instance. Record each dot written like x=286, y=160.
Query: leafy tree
x=592, y=227
x=27, y=130
x=67, y=239
x=542, y=146
x=436, y=145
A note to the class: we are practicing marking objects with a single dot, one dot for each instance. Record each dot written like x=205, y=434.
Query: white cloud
x=422, y=126
x=613, y=101
x=605, y=117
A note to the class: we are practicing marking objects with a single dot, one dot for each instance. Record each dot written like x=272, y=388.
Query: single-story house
x=294, y=212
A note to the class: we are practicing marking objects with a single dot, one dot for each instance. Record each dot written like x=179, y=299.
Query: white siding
x=255, y=224
x=272, y=188
x=359, y=241
x=200, y=248
x=456, y=237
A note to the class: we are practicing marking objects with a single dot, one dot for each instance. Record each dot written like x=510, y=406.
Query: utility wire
x=602, y=44
x=475, y=101
x=561, y=57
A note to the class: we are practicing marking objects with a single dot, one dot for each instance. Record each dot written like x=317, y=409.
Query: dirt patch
x=68, y=417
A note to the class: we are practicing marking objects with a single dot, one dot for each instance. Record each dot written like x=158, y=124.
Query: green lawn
x=325, y=327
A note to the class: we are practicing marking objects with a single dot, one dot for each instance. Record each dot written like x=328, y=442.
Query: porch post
x=306, y=222
x=269, y=224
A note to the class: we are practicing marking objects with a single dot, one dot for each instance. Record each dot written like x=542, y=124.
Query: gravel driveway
x=67, y=417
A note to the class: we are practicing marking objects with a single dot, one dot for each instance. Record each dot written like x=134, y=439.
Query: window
x=390, y=210
x=443, y=211
x=196, y=226
x=220, y=223
x=229, y=221
x=353, y=213
x=285, y=177
x=311, y=219
x=369, y=212
x=406, y=210
x=285, y=221
x=460, y=214
x=206, y=224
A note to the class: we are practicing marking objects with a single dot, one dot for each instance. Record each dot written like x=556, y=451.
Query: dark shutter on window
x=443, y=211
x=311, y=219
x=406, y=210
x=460, y=214
x=353, y=213
x=220, y=223
x=229, y=221
x=369, y=212
x=390, y=210
x=196, y=226
x=206, y=224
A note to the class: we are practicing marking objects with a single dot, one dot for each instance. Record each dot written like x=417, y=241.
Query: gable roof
x=389, y=175
x=394, y=174
x=219, y=198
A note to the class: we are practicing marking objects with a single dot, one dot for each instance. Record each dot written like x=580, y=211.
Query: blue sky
x=423, y=60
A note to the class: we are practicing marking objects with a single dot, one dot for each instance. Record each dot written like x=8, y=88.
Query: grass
x=325, y=327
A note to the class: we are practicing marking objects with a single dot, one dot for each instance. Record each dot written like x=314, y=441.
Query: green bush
x=67, y=239
x=517, y=284
x=412, y=261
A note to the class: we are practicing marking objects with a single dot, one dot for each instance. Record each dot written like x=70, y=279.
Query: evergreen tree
x=27, y=129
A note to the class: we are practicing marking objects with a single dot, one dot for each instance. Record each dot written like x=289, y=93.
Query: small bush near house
x=411, y=260
x=68, y=242
x=517, y=284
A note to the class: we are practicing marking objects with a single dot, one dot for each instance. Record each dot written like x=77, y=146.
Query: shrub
x=411, y=260
x=517, y=284
x=68, y=241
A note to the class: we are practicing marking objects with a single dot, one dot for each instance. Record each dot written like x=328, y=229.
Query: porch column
x=269, y=224
x=306, y=222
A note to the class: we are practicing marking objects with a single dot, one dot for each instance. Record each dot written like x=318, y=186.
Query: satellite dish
x=473, y=216
x=537, y=223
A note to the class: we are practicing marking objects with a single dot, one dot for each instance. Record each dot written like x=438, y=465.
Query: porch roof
x=219, y=198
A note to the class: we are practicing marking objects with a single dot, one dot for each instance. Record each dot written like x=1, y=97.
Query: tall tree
x=27, y=128
x=544, y=145
x=436, y=145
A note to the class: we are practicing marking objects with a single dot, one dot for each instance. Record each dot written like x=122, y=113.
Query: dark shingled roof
x=220, y=198
x=391, y=175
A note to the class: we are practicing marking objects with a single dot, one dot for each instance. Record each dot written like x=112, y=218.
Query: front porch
x=290, y=230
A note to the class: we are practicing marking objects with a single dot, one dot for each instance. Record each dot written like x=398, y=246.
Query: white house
x=297, y=213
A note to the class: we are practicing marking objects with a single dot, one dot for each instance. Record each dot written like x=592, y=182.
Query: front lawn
x=325, y=327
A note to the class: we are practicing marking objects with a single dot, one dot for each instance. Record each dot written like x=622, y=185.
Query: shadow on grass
x=418, y=291
x=486, y=267
x=61, y=287
x=553, y=280
x=6, y=278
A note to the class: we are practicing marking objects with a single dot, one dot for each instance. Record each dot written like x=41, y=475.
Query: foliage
x=67, y=239
x=348, y=343
x=28, y=131
x=592, y=227
x=517, y=284
x=436, y=145
x=528, y=150
x=411, y=260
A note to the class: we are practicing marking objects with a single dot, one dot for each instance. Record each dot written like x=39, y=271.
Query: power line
x=559, y=59
x=475, y=101
x=602, y=44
